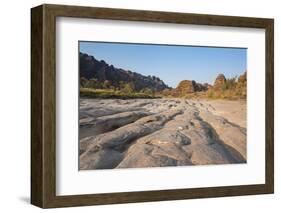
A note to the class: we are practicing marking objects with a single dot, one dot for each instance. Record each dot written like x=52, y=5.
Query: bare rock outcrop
x=185, y=140
x=232, y=135
x=108, y=122
x=158, y=133
x=120, y=138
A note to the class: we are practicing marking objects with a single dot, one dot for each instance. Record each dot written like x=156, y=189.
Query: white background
x=71, y=181
x=15, y=105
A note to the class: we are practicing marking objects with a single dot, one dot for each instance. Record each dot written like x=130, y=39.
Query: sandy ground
x=135, y=133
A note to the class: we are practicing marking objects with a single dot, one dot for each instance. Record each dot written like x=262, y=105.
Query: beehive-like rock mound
x=242, y=78
x=186, y=86
x=220, y=81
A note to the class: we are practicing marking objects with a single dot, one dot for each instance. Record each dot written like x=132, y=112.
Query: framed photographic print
x=136, y=106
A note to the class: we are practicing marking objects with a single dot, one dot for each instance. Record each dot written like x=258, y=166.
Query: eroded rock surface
x=159, y=132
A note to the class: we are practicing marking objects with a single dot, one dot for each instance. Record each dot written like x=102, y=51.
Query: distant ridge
x=103, y=73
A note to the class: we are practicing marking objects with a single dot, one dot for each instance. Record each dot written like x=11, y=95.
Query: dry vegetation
x=234, y=91
x=110, y=93
x=230, y=89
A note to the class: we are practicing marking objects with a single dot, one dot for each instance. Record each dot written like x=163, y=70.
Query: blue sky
x=171, y=63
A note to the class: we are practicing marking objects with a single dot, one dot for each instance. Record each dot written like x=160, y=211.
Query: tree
x=166, y=92
x=93, y=83
x=229, y=84
x=106, y=84
x=128, y=88
x=148, y=91
x=83, y=82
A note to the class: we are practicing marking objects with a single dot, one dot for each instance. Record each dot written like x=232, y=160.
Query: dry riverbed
x=138, y=133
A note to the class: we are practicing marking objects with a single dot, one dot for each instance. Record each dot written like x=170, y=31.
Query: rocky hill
x=101, y=75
